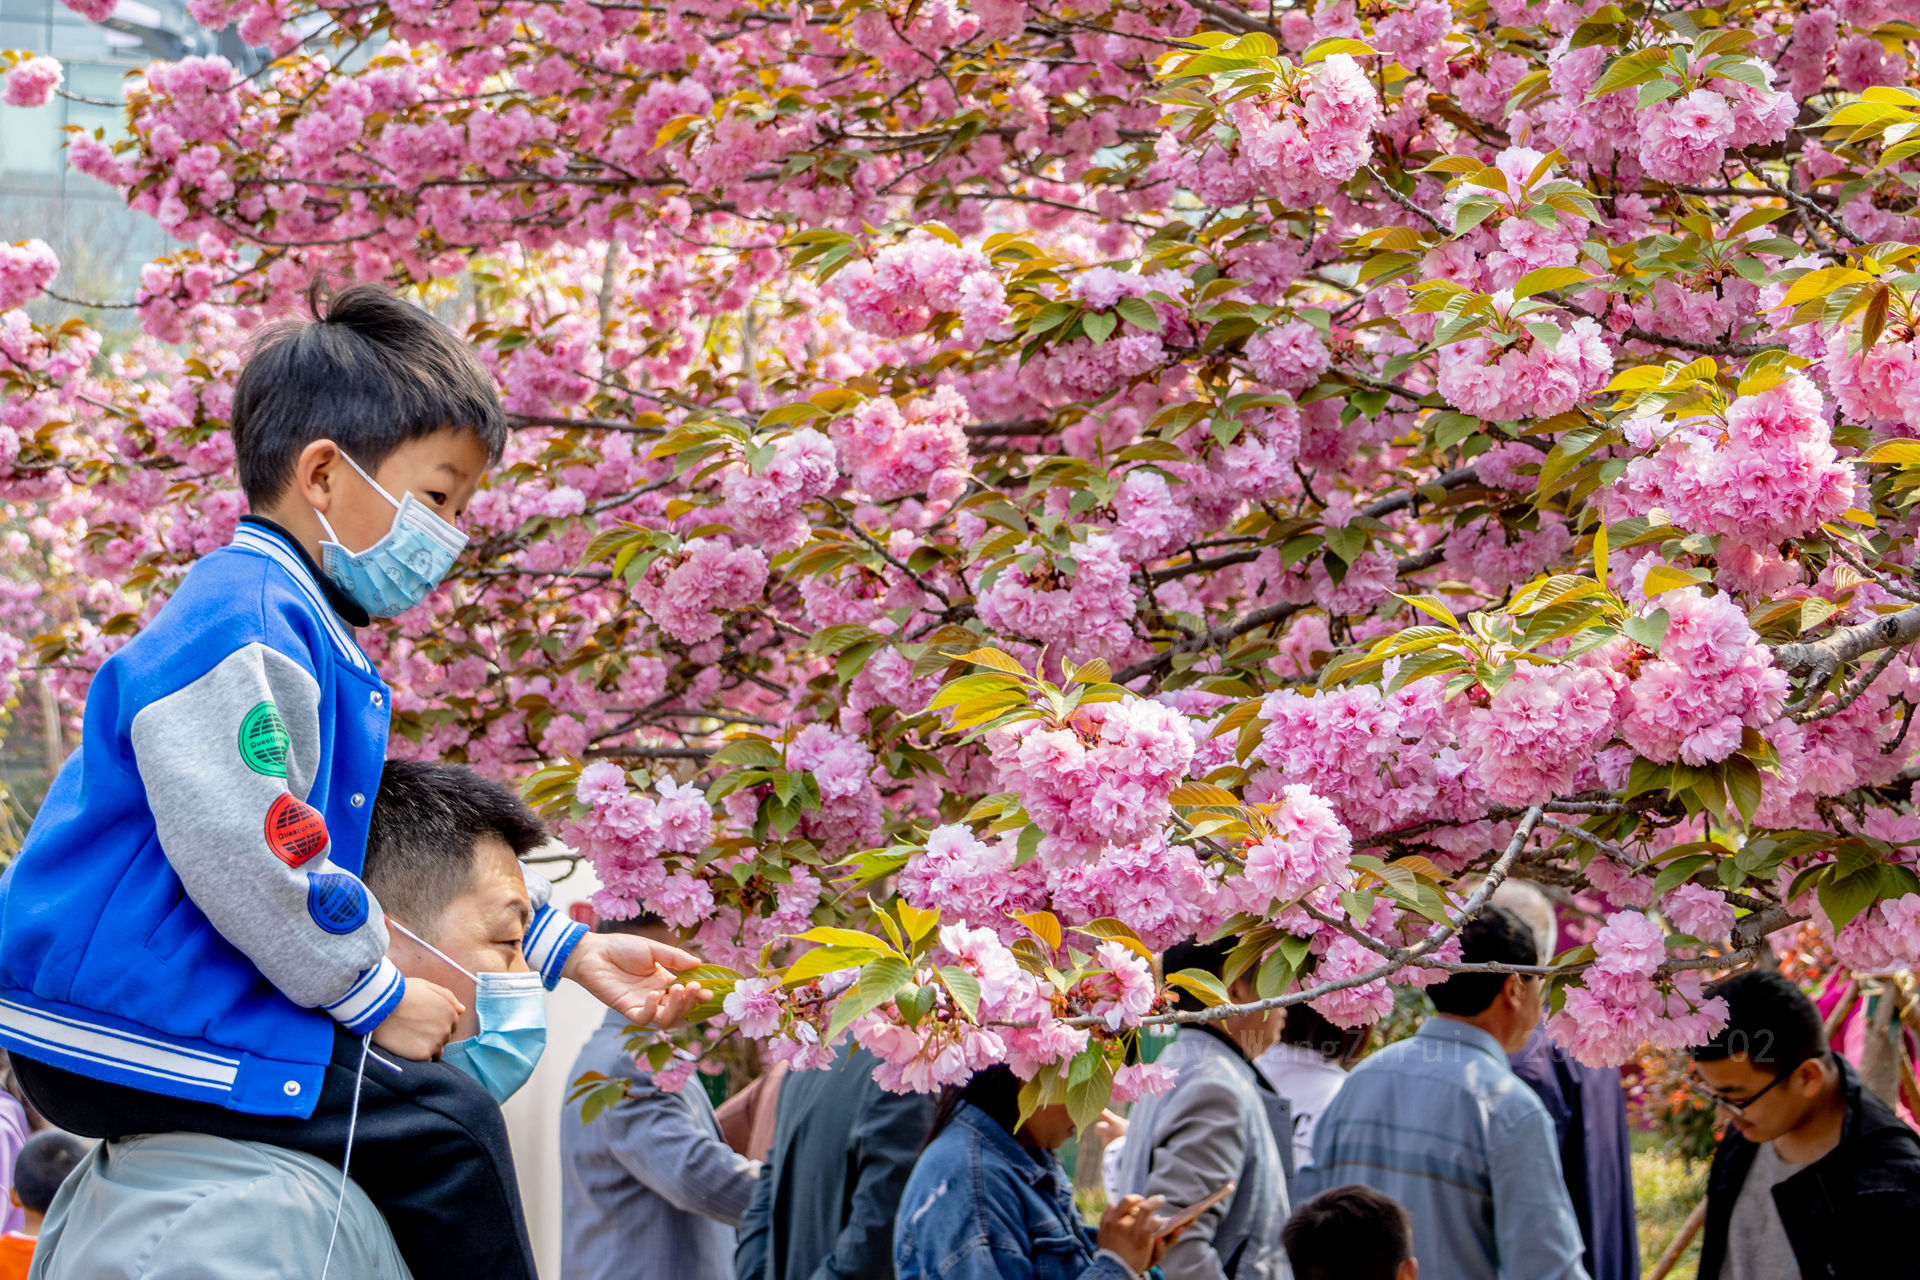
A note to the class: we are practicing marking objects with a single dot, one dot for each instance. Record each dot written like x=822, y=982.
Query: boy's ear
x=13, y=1194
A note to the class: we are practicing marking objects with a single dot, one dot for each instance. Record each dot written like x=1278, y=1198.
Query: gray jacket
x=185, y=1206
x=650, y=1184
x=1217, y=1124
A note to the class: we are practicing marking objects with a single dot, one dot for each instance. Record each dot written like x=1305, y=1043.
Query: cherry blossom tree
x=1001, y=487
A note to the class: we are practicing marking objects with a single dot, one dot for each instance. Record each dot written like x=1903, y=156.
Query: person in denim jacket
x=989, y=1200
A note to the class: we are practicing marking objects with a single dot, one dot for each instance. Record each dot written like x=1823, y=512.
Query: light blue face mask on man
x=513, y=1026
x=397, y=572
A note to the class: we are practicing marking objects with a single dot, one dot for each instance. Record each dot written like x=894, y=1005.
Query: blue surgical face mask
x=512, y=1008
x=397, y=572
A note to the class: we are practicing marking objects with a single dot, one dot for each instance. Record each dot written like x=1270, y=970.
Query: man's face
x=481, y=929
x=1761, y=1105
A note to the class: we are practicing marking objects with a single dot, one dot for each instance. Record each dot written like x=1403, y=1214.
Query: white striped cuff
x=549, y=943
x=370, y=1000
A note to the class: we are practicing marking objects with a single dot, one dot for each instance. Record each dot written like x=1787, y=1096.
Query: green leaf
x=1843, y=897
x=1544, y=279
x=821, y=961
x=1099, y=326
x=964, y=988
x=1650, y=631
x=1321, y=50
x=844, y=938
x=1087, y=1097
x=876, y=985
x=1207, y=988
x=1679, y=871
x=1139, y=313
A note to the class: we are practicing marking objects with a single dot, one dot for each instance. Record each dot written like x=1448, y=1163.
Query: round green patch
x=263, y=741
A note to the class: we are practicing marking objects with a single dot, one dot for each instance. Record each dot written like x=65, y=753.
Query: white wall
x=533, y=1114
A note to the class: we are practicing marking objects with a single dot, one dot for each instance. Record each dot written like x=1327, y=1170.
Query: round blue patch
x=336, y=901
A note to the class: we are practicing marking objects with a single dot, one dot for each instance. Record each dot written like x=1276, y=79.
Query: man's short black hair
x=368, y=372
x=426, y=821
x=1770, y=1022
x=43, y=1164
x=1307, y=1027
x=1497, y=936
x=1209, y=957
x=1348, y=1233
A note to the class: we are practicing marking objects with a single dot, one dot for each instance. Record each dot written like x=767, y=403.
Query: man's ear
x=13, y=1195
x=1409, y=1270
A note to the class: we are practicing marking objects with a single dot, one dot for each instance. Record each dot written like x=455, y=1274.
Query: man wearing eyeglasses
x=1816, y=1176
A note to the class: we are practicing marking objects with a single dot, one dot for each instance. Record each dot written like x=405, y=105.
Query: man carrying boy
x=185, y=943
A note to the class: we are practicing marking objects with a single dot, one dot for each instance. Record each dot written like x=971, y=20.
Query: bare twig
x=1821, y=658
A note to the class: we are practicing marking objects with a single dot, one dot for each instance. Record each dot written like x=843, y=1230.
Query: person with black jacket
x=1816, y=1176
x=824, y=1206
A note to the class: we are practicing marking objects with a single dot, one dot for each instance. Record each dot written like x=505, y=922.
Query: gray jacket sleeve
x=1200, y=1144
x=658, y=1138
x=226, y=763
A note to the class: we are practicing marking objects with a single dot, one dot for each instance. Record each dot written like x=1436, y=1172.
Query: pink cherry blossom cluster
x=1880, y=385
x=842, y=766
x=627, y=838
x=890, y=450
x=1767, y=473
x=1085, y=604
x=1102, y=777
x=31, y=83
x=1529, y=378
x=26, y=269
x=1620, y=1007
x=766, y=505
x=1686, y=138
x=1712, y=681
x=686, y=592
x=1534, y=736
x=904, y=286
x=1295, y=146
x=1309, y=847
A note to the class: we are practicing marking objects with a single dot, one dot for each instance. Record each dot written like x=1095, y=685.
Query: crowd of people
x=268, y=1001
x=1472, y=1148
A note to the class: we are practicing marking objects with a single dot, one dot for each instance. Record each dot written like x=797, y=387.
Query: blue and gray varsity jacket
x=186, y=915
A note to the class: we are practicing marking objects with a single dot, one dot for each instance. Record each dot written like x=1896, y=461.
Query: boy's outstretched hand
x=636, y=976
x=422, y=1023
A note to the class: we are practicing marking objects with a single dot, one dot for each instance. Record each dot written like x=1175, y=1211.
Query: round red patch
x=295, y=831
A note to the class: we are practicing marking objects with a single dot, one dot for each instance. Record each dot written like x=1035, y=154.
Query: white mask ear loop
x=361, y=472
x=334, y=538
x=437, y=951
x=346, y=1156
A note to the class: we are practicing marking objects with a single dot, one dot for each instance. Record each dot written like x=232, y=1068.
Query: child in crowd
x=185, y=941
x=43, y=1164
x=1350, y=1233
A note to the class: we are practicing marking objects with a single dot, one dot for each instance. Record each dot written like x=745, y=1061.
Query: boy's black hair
x=1209, y=957
x=1348, y=1233
x=368, y=372
x=1770, y=1022
x=43, y=1164
x=427, y=819
x=1308, y=1027
x=1496, y=935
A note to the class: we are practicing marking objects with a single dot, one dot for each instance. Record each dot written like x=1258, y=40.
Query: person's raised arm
x=226, y=763
x=1202, y=1145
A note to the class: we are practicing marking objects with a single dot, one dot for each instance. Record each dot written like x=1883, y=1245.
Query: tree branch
x=1821, y=658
